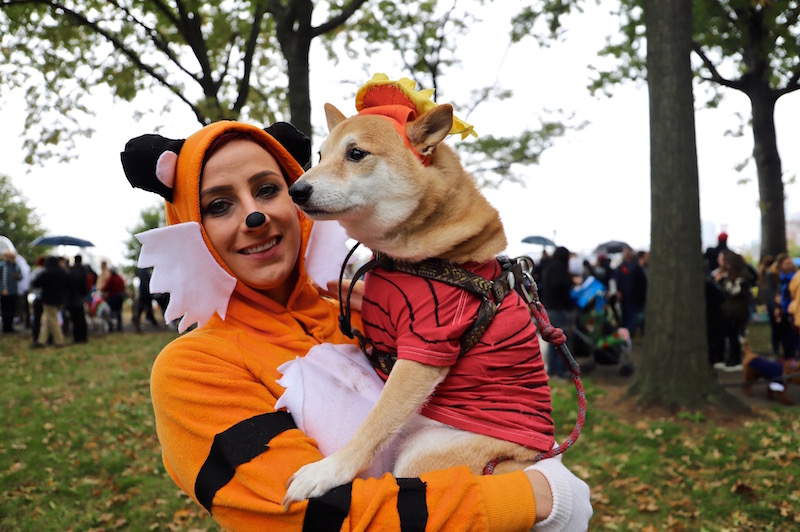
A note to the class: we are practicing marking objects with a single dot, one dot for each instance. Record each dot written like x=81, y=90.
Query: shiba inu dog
x=398, y=189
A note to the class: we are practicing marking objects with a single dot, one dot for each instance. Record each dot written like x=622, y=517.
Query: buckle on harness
x=345, y=327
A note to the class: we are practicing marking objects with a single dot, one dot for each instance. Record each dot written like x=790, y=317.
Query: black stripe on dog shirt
x=234, y=447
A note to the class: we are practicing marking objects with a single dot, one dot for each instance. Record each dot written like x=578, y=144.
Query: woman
x=736, y=280
x=233, y=260
x=766, y=295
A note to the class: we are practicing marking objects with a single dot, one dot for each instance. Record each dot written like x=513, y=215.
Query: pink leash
x=555, y=336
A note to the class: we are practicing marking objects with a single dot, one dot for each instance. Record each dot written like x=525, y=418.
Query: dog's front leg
x=408, y=387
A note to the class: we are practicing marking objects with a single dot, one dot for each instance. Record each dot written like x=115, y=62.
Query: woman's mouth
x=259, y=248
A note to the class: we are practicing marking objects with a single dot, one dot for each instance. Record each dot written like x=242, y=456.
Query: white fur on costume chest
x=329, y=393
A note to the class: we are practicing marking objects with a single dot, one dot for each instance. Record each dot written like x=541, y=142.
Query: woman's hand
x=355, y=298
x=563, y=501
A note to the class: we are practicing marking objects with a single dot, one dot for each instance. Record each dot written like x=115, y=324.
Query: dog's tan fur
x=391, y=203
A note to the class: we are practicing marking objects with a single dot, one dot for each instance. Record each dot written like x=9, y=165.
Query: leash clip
x=529, y=289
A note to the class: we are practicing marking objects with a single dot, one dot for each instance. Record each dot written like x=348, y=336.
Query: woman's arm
x=226, y=447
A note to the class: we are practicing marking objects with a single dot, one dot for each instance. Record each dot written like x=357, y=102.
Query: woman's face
x=242, y=177
x=787, y=265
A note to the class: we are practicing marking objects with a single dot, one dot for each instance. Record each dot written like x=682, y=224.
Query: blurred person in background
x=736, y=280
x=114, y=293
x=784, y=271
x=554, y=291
x=10, y=276
x=54, y=284
x=631, y=281
x=76, y=300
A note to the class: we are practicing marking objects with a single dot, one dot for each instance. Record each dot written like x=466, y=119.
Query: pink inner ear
x=166, y=165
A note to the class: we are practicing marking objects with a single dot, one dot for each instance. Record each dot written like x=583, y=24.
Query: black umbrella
x=539, y=240
x=62, y=240
x=612, y=246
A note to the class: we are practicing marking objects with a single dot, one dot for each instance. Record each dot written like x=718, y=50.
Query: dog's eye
x=356, y=154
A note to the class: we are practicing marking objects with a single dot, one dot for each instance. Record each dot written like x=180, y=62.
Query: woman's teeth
x=259, y=249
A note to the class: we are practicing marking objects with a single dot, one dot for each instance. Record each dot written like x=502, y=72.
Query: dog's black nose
x=300, y=192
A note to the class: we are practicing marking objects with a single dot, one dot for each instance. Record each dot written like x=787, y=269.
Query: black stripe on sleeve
x=412, y=505
x=237, y=445
x=329, y=511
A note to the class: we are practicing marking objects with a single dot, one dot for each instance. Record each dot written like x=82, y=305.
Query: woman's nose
x=255, y=219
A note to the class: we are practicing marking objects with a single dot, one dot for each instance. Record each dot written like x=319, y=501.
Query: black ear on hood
x=296, y=143
x=139, y=159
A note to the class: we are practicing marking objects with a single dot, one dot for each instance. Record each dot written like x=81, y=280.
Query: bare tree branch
x=715, y=75
x=341, y=18
x=252, y=41
x=119, y=45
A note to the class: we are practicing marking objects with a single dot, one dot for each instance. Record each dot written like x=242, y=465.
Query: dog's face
x=367, y=178
x=791, y=368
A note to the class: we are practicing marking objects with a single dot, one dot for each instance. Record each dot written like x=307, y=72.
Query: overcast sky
x=592, y=186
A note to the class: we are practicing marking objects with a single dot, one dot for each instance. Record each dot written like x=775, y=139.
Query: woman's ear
x=149, y=162
x=296, y=143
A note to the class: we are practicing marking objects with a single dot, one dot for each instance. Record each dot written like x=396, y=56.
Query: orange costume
x=214, y=389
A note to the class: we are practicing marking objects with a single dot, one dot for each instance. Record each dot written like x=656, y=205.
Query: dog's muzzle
x=300, y=192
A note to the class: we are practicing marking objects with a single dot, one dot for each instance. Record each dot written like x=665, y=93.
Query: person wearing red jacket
x=114, y=293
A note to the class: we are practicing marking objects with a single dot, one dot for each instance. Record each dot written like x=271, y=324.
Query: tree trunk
x=770, y=174
x=294, y=33
x=675, y=369
x=299, y=85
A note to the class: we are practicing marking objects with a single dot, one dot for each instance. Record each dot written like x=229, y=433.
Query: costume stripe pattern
x=237, y=445
x=329, y=511
x=412, y=505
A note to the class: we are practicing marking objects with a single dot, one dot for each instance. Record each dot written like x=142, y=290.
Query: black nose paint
x=255, y=219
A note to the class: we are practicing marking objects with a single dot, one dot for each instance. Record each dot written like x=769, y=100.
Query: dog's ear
x=427, y=131
x=334, y=116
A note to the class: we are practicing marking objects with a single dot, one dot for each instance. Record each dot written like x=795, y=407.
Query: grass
x=684, y=472
x=79, y=452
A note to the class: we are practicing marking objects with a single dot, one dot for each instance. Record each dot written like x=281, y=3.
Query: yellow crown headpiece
x=380, y=91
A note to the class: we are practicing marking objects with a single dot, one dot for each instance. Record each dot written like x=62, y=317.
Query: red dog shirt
x=499, y=387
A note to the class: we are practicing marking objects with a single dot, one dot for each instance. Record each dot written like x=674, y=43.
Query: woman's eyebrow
x=214, y=190
x=259, y=175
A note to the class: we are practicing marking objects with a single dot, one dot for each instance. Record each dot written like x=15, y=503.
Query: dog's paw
x=314, y=480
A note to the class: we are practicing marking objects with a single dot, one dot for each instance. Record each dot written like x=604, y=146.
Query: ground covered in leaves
x=79, y=451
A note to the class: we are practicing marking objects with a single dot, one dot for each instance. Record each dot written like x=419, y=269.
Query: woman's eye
x=267, y=190
x=216, y=207
x=356, y=154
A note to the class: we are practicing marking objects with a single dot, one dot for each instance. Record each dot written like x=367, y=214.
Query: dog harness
x=514, y=276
